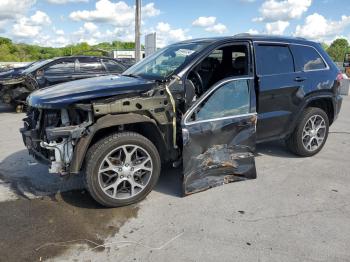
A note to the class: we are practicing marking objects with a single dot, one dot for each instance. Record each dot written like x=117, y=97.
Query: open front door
x=219, y=133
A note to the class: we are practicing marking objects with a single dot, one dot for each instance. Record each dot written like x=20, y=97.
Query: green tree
x=338, y=49
x=325, y=46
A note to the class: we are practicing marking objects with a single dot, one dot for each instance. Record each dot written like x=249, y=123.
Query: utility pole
x=138, y=31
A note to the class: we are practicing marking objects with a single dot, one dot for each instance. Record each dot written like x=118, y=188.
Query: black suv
x=204, y=102
x=16, y=85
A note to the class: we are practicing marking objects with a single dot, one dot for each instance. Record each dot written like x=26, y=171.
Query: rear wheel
x=310, y=134
x=122, y=169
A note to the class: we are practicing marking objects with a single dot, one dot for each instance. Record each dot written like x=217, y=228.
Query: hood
x=61, y=95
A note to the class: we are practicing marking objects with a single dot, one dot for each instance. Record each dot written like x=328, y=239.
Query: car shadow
x=276, y=148
x=26, y=179
x=170, y=182
x=6, y=108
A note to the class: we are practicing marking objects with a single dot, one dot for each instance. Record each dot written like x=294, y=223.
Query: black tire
x=99, y=151
x=294, y=141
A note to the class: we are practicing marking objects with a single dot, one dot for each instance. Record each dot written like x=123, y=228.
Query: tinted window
x=273, y=59
x=62, y=67
x=113, y=66
x=90, y=65
x=230, y=99
x=307, y=58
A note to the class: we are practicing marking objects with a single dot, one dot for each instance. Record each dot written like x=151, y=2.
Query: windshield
x=36, y=65
x=166, y=61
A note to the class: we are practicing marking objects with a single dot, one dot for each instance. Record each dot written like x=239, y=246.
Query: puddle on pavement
x=26, y=225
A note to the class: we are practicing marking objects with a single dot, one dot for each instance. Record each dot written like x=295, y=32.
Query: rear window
x=307, y=58
x=90, y=65
x=113, y=66
x=273, y=59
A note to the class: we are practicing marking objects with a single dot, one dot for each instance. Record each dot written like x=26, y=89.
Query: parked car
x=203, y=102
x=15, y=87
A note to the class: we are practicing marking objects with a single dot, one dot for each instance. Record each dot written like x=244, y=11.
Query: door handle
x=300, y=79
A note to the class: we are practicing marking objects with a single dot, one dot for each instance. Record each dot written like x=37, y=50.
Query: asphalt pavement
x=298, y=209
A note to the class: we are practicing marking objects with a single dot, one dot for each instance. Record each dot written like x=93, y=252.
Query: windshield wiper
x=131, y=75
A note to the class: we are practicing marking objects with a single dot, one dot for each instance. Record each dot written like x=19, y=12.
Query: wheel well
x=148, y=130
x=326, y=105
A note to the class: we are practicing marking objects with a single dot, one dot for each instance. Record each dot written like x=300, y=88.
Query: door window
x=90, y=65
x=307, y=58
x=62, y=67
x=273, y=59
x=230, y=99
x=113, y=66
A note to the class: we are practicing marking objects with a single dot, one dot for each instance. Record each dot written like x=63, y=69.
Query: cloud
x=30, y=27
x=167, y=35
x=61, y=2
x=90, y=27
x=286, y=10
x=276, y=28
x=40, y=18
x=204, y=21
x=118, y=14
x=59, y=32
x=317, y=27
x=218, y=28
x=209, y=24
x=10, y=9
x=24, y=29
x=252, y=31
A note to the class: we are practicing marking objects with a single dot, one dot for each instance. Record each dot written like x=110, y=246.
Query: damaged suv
x=204, y=103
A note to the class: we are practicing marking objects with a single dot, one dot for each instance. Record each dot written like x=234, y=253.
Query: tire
x=297, y=144
x=109, y=153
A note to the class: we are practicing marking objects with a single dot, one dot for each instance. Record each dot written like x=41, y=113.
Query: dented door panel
x=218, y=151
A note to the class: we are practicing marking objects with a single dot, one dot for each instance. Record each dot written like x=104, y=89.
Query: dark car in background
x=15, y=87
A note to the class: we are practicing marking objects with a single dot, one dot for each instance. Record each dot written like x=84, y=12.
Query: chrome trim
x=219, y=118
x=287, y=43
x=200, y=100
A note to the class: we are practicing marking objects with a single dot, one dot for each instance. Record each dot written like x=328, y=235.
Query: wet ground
x=37, y=229
x=296, y=210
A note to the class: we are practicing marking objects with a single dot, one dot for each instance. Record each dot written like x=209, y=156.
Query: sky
x=61, y=22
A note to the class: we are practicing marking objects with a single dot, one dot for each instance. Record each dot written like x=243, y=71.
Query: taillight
x=337, y=86
x=340, y=77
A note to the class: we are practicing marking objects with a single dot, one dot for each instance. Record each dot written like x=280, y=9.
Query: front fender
x=104, y=122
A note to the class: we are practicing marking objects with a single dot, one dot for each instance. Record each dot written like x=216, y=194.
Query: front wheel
x=122, y=169
x=310, y=134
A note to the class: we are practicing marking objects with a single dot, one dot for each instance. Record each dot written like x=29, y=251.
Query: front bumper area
x=32, y=142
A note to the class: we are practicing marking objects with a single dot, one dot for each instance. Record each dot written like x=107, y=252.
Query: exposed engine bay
x=52, y=135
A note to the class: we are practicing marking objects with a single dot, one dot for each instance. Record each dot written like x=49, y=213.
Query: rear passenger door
x=89, y=67
x=310, y=67
x=278, y=86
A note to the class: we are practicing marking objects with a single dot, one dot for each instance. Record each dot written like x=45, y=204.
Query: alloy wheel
x=125, y=171
x=314, y=133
